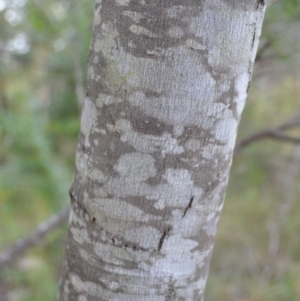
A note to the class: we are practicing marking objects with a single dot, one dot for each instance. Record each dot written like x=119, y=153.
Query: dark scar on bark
x=161, y=241
x=189, y=206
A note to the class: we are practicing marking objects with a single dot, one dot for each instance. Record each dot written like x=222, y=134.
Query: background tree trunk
x=167, y=82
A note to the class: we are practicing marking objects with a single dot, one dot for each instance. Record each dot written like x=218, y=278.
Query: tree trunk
x=167, y=83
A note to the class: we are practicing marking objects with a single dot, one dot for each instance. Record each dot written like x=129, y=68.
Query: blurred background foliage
x=43, y=54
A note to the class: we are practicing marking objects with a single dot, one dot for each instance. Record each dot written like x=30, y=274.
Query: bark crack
x=119, y=241
x=189, y=206
x=162, y=239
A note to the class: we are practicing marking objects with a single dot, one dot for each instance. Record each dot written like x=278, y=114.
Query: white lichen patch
x=211, y=224
x=177, y=177
x=86, y=217
x=175, y=32
x=194, y=216
x=91, y=73
x=80, y=235
x=178, y=106
x=223, y=86
x=136, y=167
x=208, y=151
x=82, y=298
x=131, y=44
x=88, y=119
x=110, y=254
x=160, y=204
x=66, y=288
x=174, y=266
x=96, y=175
x=157, y=51
x=104, y=99
x=134, y=16
x=178, y=130
x=86, y=256
x=123, y=2
x=140, y=30
x=96, y=60
x=100, y=192
x=119, y=63
x=177, y=245
x=97, y=46
x=88, y=287
x=117, y=209
x=194, y=45
x=146, y=236
x=241, y=85
x=200, y=285
x=224, y=53
x=81, y=162
x=76, y=220
x=111, y=285
x=225, y=131
x=218, y=110
x=174, y=11
x=97, y=18
x=166, y=194
x=201, y=256
x=106, y=42
x=193, y=144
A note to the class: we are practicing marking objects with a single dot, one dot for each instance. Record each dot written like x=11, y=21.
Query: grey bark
x=167, y=83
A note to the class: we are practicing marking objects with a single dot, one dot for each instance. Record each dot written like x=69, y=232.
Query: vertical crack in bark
x=189, y=206
x=162, y=239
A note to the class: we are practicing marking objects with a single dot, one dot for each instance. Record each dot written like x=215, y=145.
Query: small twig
x=283, y=137
x=23, y=244
x=274, y=133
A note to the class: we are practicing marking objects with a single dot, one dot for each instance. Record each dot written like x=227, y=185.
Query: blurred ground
x=43, y=55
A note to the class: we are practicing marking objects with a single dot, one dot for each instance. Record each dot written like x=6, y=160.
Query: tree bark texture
x=167, y=83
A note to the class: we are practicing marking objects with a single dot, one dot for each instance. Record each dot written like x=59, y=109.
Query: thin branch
x=23, y=244
x=283, y=137
x=274, y=133
x=290, y=123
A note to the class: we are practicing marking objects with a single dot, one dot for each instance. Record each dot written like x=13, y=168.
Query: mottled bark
x=167, y=83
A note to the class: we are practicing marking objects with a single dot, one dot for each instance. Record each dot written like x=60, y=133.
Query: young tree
x=167, y=83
